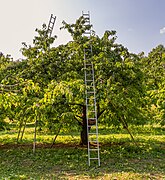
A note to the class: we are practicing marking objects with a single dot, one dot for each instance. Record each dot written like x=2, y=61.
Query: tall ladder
x=51, y=25
x=49, y=33
x=90, y=92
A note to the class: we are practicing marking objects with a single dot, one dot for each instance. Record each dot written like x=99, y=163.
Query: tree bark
x=35, y=134
x=83, y=135
x=56, y=135
x=23, y=131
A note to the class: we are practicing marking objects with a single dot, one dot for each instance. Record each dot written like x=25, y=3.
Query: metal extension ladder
x=91, y=109
x=51, y=25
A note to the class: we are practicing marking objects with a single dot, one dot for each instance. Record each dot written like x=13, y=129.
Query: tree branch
x=124, y=123
x=7, y=90
x=80, y=123
x=99, y=113
x=8, y=85
x=76, y=104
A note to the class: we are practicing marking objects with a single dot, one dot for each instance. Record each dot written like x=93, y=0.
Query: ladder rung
x=94, y=144
x=90, y=126
x=88, y=62
x=89, y=86
x=85, y=14
x=51, y=24
x=91, y=122
x=93, y=158
x=87, y=66
x=92, y=134
x=53, y=17
x=89, y=69
x=89, y=80
x=52, y=21
x=50, y=28
x=94, y=149
x=92, y=119
x=93, y=140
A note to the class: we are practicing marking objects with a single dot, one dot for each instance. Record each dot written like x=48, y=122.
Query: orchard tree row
x=47, y=86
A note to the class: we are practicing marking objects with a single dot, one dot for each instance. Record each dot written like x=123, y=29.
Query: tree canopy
x=48, y=85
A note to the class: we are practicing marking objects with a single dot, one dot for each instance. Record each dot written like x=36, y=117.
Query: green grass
x=120, y=158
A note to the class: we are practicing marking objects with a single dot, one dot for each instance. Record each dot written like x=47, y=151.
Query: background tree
x=154, y=69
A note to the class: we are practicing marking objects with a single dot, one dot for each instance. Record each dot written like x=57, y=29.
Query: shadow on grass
x=70, y=160
x=119, y=156
x=143, y=130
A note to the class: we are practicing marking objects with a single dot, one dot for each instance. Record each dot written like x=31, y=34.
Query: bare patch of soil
x=57, y=145
x=40, y=146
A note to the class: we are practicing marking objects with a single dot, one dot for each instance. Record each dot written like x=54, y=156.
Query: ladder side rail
x=96, y=116
x=91, y=107
x=86, y=104
x=85, y=73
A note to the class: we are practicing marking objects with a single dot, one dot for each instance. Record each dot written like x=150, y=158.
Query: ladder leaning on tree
x=49, y=33
x=51, y=25
x=90, y=92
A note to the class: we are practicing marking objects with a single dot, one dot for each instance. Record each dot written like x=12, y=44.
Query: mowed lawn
x=121, y=159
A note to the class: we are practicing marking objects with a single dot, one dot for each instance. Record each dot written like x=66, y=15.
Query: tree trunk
x=23, y=131
x=19, y=132
x=84, y=138
x=56, y=135
x=35, y=134
x=83, y=135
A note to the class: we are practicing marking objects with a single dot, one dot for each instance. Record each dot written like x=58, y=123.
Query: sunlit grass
x=121, y=159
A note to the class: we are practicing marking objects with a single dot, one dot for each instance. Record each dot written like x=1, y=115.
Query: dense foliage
x=48, y=85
